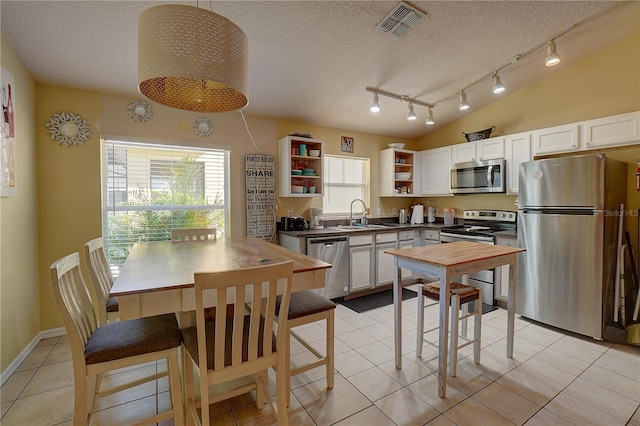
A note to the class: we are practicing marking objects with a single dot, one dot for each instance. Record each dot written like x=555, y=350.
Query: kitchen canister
x=448, y=216
x=303, y=149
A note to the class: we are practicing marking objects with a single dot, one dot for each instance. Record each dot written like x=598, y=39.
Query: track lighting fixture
x=412, y=115
x=430, y=121
x=463, y=105
x=375, y=105
x=498, y=87
x=552, y=56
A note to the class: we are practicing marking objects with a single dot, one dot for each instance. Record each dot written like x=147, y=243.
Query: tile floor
x=554, y=378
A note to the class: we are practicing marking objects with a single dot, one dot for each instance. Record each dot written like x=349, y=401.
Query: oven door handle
x=465, y=238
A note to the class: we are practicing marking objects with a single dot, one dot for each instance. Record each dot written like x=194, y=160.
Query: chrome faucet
x=351, y=210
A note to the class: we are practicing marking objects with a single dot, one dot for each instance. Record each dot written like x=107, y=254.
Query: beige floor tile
x=223, y=420
x=60, y=352
x=377, y=353
x=540, y=335
x=547, y=373
x=580, y=412
x=50, y=341
x=547, y=418
x=602, y=398
x=404, y=407
x=251, y=415
x=493, y=363
x=468, y=380
x=382, y=316
x=563, y=361
x=4, y=407
x=471, y=413
x=613, y=381
x=50, y=377
x=582, y=348
x=379, y=331
x=46, y=408
x=327, y=406
x=141, y=391
x=361, y=321
x=529, y=387
x=311, y=333
x=35, y=358
x=410, y=372
x=441, y=420
x=427, y=390
x=356, y=339
x=621, y=362
x=126, y=414
x=635, y=418
x=507, y=403
x=374, y=383
x=371, y=416
x=15, y=384
x=350, y=363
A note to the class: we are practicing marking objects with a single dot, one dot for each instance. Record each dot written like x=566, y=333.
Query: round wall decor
x=203, y=127
x=68, y=128
x=140, y=111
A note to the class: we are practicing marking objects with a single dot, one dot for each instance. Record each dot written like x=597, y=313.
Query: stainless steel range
x=480, y=226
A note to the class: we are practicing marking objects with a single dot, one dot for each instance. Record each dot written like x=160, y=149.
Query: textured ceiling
x=312, y=60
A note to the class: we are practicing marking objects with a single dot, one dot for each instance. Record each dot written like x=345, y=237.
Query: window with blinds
x=345, y=179
x=150, y=189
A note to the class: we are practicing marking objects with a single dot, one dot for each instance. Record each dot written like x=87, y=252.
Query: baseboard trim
x=11, y=368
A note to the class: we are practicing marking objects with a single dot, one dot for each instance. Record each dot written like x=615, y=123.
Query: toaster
x=291, y=223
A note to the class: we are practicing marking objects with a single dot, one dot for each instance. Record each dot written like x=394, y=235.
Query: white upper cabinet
x=517, y=150
x=486, y=149
x=435, y=170
x=557, y=139
x=399, y=174
x=623, y=129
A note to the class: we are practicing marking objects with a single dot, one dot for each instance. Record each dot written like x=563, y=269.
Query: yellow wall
x=19, y=288
x=66, y=195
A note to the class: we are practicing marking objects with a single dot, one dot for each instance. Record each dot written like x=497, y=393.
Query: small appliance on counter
x=449, y=214
x=316, y=221
x=402, y=216
x=431, y=214
x=417, y=215
x=293, y=223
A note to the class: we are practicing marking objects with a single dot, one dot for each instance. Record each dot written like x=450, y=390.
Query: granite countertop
x=388, y=227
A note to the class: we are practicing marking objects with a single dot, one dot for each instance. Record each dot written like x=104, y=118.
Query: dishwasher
x=333, y=250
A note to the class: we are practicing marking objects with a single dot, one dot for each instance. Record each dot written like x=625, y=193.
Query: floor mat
x=374, y=301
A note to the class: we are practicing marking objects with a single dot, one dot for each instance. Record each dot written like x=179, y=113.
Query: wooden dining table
x=445, y=262
x=158, y=277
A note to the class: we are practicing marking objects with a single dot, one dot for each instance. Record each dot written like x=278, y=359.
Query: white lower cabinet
x=502, y=292
x=361, y=262
x=517, y=150
x=384, y=262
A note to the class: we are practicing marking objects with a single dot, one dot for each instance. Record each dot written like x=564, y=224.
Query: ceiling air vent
x=399, y=20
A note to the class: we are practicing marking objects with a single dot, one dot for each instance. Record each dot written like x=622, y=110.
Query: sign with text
x=260, y=184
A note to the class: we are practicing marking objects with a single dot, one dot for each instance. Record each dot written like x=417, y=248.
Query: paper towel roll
x=418, y=214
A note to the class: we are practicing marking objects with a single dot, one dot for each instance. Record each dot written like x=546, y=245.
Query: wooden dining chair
x=306, y=307
x=192, y=235
x=245, y=343
x=102, y=279
x=97, y=350
x=460, y=294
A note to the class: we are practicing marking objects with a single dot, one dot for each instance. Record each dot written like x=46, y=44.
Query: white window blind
x=345, y=179
x=150, y=189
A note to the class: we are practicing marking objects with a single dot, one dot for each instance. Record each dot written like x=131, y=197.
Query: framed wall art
x=347, y=144
x=8, y=181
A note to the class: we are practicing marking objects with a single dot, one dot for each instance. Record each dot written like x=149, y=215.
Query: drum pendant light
x=192, y=59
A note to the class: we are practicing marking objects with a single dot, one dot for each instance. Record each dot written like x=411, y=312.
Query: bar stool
x=306, y=307
x=461, y=295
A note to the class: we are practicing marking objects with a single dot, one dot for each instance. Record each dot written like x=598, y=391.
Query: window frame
x=366, y=186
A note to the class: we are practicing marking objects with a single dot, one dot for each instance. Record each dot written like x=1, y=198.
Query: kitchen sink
x=356, y=227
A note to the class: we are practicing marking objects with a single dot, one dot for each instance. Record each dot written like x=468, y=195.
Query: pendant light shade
x=412, y=115
x=430, y=121
x=463, y=105
x=375, y=105
x=498, y=87
x=552, y=56
x=192, y=59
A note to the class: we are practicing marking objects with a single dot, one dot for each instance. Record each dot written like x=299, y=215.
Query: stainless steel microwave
x=478, y=177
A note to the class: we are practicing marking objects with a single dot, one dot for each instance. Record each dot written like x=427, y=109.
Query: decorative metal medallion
x=68, y=129
x=140, y=111
x=203, y=127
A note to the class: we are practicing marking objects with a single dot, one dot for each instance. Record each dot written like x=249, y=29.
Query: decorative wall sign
x=203, y=127
x=68, y=129
x=8, y=182
x=260, y=185
x=140, y=111
x=347, y=144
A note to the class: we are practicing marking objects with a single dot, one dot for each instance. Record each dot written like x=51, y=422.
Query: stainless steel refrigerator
x=567, y=221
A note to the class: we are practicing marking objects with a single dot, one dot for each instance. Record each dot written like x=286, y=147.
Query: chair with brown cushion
x=102, y=280
x=97, y=350
x=245, y=343
x=460, y=294
x=307, y=307
x=192, y=235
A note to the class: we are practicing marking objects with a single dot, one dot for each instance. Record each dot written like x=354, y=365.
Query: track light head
x=498, y=87
x=375, y=105
x=463, y=105
x=552, y=56
x=430, y=121
x=412, y=115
